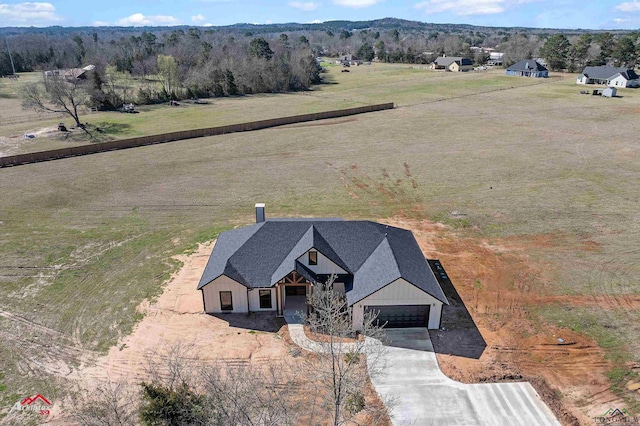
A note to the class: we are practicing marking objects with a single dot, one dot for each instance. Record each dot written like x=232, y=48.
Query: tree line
x=389, y=40
x=155, y=67
x=173, y=63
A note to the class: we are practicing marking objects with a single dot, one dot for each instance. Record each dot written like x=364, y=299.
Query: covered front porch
x=291, y=294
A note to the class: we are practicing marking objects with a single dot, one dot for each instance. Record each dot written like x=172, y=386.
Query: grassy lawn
x=366, y=85
x=97, y=231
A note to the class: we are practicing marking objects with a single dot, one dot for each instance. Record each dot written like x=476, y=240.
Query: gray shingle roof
x=605, y=72
x=374, y=254
x=448, y=60
x=527, y=65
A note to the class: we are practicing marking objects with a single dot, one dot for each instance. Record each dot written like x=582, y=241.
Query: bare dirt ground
x=176, y=317
x=507, y=344
x=490, y=306
x=489, y=334
x=43, y=138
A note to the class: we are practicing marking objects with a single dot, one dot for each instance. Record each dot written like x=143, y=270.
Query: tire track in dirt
x=176, y=317
x=498, y=284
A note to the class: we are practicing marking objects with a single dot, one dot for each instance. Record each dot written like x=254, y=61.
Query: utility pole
x=6, y=40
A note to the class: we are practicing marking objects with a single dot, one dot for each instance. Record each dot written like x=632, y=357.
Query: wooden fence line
x=56, y=154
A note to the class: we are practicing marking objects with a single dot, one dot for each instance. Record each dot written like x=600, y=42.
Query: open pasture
x=363, y=85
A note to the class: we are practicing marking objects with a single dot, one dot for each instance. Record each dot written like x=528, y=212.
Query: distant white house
x=610, y=76
x=495, y=58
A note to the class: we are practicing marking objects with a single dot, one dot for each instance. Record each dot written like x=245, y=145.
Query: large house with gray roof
x=528, y=68
x=274, y=264
x=610, y=76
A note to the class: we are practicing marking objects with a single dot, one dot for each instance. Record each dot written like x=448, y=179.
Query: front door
x=295, y=290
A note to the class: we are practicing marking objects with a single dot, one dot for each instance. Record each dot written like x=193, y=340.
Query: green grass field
x=517, y=156
x=362, y=85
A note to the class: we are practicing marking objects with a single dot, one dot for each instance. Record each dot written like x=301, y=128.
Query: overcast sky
x=588, y=14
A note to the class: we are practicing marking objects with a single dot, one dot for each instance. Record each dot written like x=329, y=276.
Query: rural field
x=524, y=189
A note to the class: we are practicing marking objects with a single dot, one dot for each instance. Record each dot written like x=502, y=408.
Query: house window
x=226, y=301
x=313, y=258
x=265, y=299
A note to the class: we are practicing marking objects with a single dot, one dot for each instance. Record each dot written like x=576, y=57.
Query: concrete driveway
x=421, y=395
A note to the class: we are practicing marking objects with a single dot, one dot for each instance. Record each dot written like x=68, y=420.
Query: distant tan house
x=78, y=73
x=75, y=74
x=453, y=64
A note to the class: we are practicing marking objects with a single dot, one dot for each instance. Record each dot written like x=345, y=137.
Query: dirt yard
x=489, y=334
x=176, y=317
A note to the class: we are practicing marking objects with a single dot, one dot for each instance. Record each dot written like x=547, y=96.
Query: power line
x=6, y=40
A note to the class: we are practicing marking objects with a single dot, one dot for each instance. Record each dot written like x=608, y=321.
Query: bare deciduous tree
x=110, y=404
x=244, y=395
x=56, y=95
x=251, y=395
x=349, y=357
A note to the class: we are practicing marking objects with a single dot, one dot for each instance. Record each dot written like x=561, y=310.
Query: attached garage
x=400, y=304
x=401, y=316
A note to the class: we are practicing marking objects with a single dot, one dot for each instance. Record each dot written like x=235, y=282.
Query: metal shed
x=609, y=92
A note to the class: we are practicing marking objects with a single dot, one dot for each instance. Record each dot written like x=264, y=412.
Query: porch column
x=279, y=307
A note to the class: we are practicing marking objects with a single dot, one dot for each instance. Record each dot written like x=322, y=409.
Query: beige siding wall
x=212, y=291
x=324, y=266
x=254, y=300
x=458, y=68
x=399, y=292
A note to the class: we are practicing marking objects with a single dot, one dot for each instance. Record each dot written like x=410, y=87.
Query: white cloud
x=620, y=20
x=466, y=7
x=208, y=24
x=308, y=6
x=100, y=24
x=630, y=6
x=139, y=20
x=198, y=18
x=356, y=3
x=315, y=21
x=28, y=13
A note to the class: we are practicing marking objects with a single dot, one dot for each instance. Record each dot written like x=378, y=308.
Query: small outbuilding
x=528, y=68
x=609, y=92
